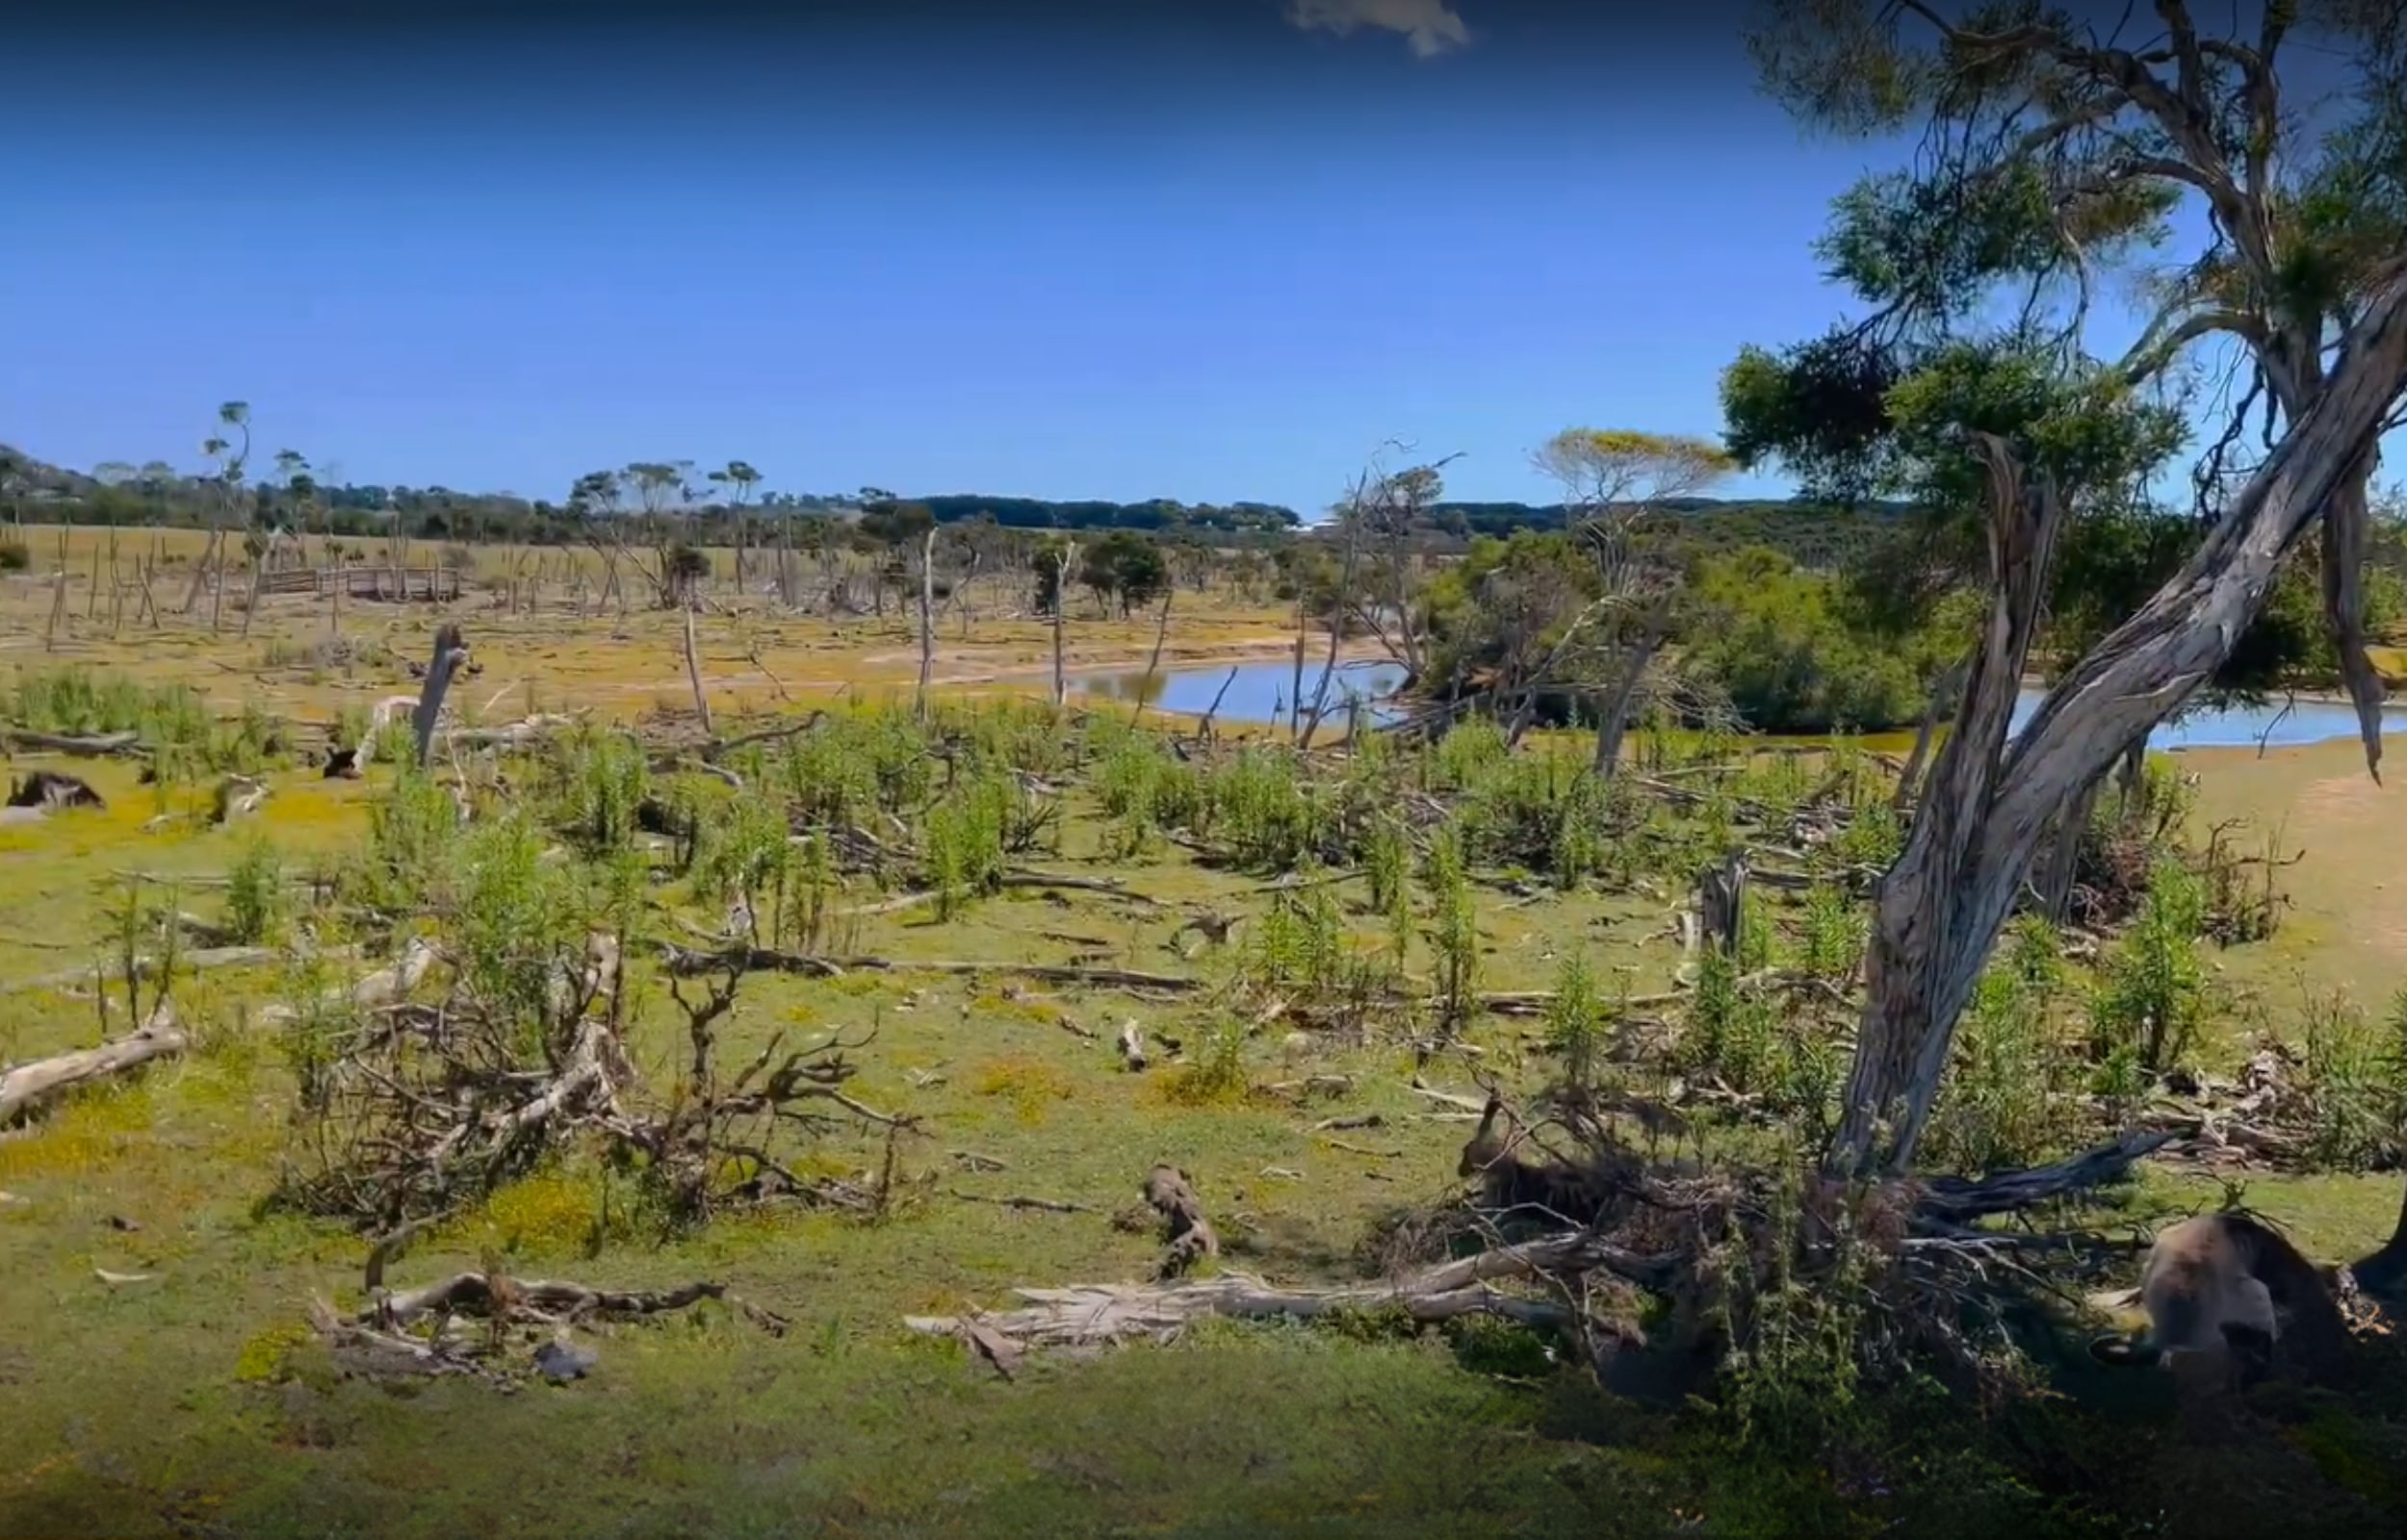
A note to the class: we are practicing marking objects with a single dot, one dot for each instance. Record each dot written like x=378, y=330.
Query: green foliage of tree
x=1125, y=570
x=1777, y=644
x=1504, y=605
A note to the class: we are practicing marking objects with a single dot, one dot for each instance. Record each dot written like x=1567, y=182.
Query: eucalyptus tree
x=738, y=479
x=1616, y=484
x=2051, y=152
x=228, y=449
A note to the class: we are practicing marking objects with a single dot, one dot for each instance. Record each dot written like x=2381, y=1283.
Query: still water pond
x=1265, y=692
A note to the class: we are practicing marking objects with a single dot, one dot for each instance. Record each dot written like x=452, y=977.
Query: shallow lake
x=1263, y=692
x=1257, y=692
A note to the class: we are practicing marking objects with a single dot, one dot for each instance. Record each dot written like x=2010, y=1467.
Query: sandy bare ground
x=2348, y=921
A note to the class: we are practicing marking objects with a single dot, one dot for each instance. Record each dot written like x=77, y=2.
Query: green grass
x=191, y=1403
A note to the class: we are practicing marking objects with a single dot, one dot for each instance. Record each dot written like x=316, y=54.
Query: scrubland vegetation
x=675, y=1012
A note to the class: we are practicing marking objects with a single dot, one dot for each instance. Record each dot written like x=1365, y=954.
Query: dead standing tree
x=1615, y=485
x=1382, y=515
x=2048, y=147
x=226, y=505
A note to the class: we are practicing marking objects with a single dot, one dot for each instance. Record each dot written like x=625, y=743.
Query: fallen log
x=27, y=1086
x=1094, y=1313
x=1110, y=887
x=198, y=960
x=549, y=1301
x=91, y=746
x=688, y=962
x=385, y=987
x=1040, y=1205
x=1956, y=1200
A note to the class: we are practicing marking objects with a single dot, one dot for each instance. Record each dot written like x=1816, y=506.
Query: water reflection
x=1255, y=692
x=2277, y=725
x=1265, y=692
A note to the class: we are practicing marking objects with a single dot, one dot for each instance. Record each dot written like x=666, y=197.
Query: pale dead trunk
x=1328, y=677
x=1061, y=603
x=27, y=1086
x=217, y=591
x=1295, y=694
x=200, y=572
x=451, y=651
x=1616, y=720
x=251, y=603
x=1940, y=908
x=57, y=608
x=693, y=673
x=928, y=620
x=1161, y=633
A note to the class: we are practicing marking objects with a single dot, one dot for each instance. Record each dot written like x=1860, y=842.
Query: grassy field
x=190, y=1396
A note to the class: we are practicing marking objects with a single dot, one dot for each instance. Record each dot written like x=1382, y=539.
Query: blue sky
x=1203, y=253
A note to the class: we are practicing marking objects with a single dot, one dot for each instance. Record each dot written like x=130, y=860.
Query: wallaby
x=1548, y=1191
x=2230, y=1284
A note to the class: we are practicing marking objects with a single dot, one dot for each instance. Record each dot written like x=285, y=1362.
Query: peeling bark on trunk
x=1940, y=908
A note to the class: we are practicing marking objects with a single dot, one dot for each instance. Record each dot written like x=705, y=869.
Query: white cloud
x=1430, y=26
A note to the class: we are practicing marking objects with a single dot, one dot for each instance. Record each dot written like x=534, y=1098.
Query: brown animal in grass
x=1508, y=1181
x=2223, y=1292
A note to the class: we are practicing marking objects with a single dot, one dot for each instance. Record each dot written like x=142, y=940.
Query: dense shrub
x=1774, y=644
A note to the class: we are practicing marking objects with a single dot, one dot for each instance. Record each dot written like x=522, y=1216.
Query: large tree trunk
x=1940, y=908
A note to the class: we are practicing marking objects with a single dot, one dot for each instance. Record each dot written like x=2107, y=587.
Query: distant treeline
x=158, y=497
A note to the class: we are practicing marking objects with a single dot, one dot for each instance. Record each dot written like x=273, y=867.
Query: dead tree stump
x=1721, y=904
x=1190, y=1235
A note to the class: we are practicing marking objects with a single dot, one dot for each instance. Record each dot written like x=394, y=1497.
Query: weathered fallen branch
x=549, y=1301
x=1957, y=1200
x=25, y=1087
x=198, y=960
x=1092, y=1313
x=1041, y=1205
x=91, y=746
x=387, y=985
x=688, y=962
x=363, y=1350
